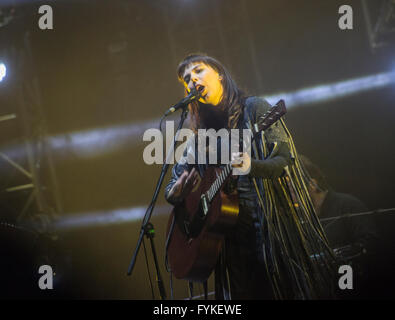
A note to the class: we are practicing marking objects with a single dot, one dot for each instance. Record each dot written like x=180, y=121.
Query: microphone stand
x=147, y=228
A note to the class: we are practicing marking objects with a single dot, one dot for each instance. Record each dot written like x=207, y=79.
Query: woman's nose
x=194, y=77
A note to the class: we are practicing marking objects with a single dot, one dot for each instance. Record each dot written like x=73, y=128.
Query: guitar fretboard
x=219, y=182
x=265, y=122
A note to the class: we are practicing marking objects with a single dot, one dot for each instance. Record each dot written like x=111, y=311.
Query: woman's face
x=206, y=80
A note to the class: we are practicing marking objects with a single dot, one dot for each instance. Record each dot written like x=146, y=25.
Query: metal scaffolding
x=174, y=18
x=29, y=192
x=380, y=22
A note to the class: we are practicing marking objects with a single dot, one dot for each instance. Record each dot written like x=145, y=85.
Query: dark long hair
x=232, y=97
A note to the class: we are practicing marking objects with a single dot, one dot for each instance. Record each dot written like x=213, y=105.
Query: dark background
x=110, y=63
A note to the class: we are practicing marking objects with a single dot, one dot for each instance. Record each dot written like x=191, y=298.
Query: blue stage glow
x=95, y=219
x=333, y=91
x=89, y=143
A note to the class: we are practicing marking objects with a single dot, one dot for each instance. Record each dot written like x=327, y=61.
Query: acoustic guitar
x=197, y=227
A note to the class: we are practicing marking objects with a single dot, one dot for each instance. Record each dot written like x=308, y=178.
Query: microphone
x=193, y=95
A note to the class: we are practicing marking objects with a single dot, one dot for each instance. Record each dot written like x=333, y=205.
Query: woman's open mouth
x=201, y=89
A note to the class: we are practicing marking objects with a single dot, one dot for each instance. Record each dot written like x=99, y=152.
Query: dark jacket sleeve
x=177, y=170
x=276, y=137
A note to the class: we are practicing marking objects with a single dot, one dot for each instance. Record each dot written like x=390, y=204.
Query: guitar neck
x=217, y=185
x=265, y=122
x=270, y=117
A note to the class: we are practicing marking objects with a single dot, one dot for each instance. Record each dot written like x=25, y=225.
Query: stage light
x=333, y=91
x=105, y=218
x=3, y=71
x=89, y=143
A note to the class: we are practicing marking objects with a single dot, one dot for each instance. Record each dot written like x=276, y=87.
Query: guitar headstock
x=271, y=116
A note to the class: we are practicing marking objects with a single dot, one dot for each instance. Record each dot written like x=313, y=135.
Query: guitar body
x=196, y=239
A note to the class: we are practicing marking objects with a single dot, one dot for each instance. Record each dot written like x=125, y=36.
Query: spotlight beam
x=105, y=218
x=333, y=91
